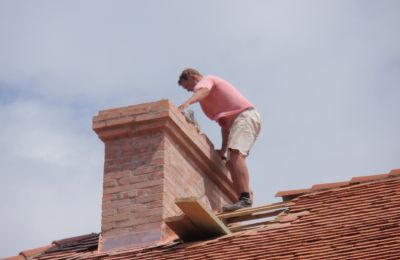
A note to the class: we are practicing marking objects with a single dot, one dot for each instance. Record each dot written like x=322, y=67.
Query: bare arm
x=196, y=97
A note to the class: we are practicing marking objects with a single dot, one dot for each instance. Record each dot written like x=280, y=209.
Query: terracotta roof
x=69, y=248
x=29, y=254
x=291, y=194
x=359, y=219
x=34, y=252
x=18, y=257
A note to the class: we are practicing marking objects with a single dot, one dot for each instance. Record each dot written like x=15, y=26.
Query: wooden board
x=250, y=226
x=248, y=211
x=184, y=228
x=253, y=216
x=203, y=219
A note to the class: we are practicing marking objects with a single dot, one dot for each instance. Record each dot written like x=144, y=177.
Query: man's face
x=189, y=84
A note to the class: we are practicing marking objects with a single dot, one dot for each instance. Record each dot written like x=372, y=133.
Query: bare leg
x=239, y=172
x=235, y=180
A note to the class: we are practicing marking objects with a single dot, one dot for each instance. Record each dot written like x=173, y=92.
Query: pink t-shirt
x=223, y=100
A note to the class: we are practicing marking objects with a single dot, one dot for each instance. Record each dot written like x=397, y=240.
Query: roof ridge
x=291, y=194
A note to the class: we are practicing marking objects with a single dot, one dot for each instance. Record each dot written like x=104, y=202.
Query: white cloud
x=51, y=170
x=45, y=133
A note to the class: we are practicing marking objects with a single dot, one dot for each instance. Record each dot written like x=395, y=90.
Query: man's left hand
x=183, y=107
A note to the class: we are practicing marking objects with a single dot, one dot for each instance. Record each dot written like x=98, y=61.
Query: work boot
x=242, y=203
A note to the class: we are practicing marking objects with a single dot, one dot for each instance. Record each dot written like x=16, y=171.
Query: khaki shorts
x=244, y=131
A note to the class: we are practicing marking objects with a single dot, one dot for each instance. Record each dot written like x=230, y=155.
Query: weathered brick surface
x=153, y=156
x=185, y=178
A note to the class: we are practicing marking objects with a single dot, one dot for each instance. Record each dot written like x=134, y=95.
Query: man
x=240, y=125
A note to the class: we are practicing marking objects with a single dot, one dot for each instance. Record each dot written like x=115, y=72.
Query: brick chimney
x=152, y=156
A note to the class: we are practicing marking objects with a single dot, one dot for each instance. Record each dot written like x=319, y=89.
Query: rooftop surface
x=358, y=219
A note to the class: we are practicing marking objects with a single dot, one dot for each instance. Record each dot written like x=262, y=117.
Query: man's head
x=189, y=78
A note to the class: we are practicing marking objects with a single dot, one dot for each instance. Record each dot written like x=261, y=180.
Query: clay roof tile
x=35, y=251
x=325, y=186
x=292, y=192
x=17, y=257
x=394, y=172
x=362, y=179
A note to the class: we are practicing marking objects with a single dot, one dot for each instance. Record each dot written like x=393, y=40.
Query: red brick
x=118, y=161
x=155, y=190
x=124, y=180
x=108, y=212
x=113, y=133
x=111, y=111
x=155, y=218
x=148, y=213
x=148, y=198
x=119, y=230
x=138, y=179
x=101, y=116
x=98, y=124
x=124, y=224
x=140, y=220
x=148, y=226
x=117, y=174
x=109, y=197
x=119, y=121
x=125, y=188
x=158, y=161
x=163, y=105
x=144, y=170
x=125, y=210
x=106, y=227
x=152, y=116
x=120, y=203
x=138, y=207
x=135, y=110
x=112, y=190
x=118, y=217
x=149, y=183
x=110, y=184
x=129, y=194
x=155, y=204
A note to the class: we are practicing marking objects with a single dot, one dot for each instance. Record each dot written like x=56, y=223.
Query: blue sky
x=325, y=76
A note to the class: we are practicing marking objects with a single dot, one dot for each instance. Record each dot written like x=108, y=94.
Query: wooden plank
x=246, y=211
x=202, y=218
x=248, y=226
x=184, y=228
x=253, y=216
